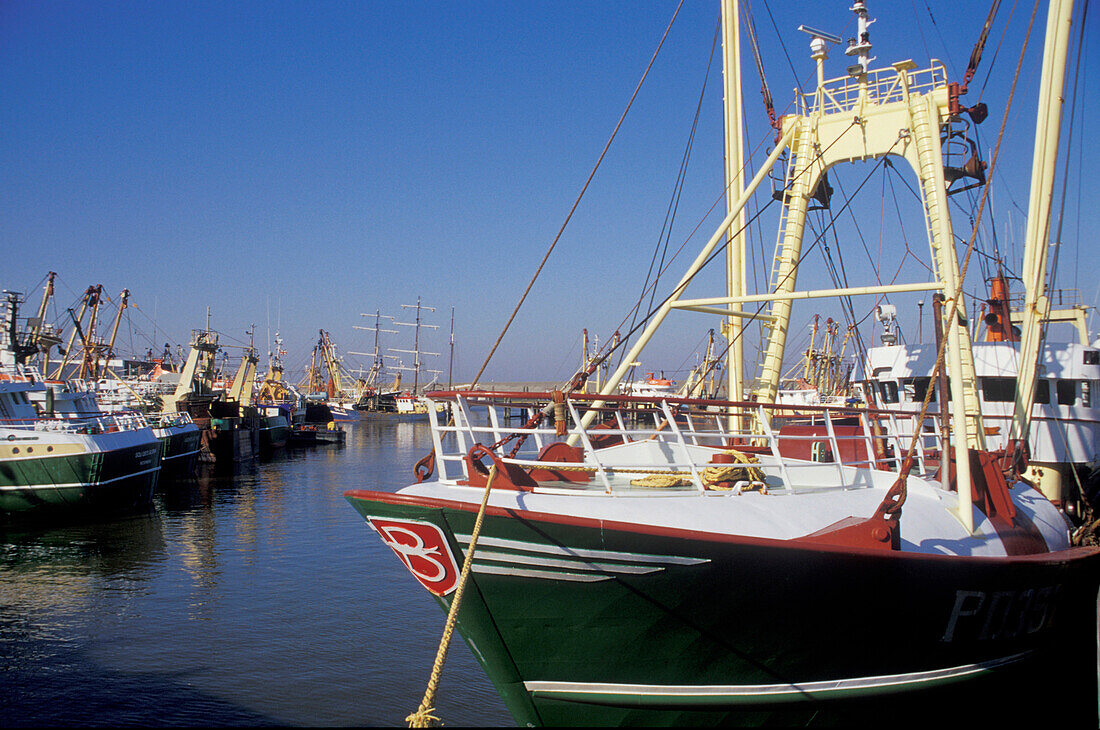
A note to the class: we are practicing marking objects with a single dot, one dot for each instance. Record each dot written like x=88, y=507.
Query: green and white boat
x=668, y=561
x=51, y=463
x=59, y=453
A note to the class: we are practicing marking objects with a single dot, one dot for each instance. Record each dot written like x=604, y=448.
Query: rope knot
x=423, y=717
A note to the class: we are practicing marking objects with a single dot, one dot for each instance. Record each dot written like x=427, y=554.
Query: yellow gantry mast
x=736, y=280
x=124, y=300
x=865, y=115
x=197, y=375
x=90, y=301
x=1036, y=244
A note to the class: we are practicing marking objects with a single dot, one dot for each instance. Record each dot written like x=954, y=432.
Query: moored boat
x=274, y=427
x=80, y=465
x=181, y=440
x=747, y=578
x=59, y=454
x=697, y=565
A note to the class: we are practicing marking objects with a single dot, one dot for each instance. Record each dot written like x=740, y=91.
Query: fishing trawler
x=98, y=390
x=341, y=392
x=1064, y=438
x=707, y=567
x=58, y=452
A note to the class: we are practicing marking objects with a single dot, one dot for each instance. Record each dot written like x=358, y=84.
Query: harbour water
x=253, y=598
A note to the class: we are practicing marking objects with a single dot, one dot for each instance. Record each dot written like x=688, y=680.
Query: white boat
x=650, y=385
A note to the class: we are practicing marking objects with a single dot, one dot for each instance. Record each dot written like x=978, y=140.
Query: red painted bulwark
x=795, y=443
x=414, y=501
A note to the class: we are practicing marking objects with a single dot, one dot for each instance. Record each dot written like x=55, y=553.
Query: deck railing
x=127, y=421
x=686, y=432
x=880, y=86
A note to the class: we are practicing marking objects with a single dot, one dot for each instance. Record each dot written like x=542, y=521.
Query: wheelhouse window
x=999, y=390
x=1067, y=392
x=1003, y=390
x=888, y=391
x=919, y=388
x=1042, y=391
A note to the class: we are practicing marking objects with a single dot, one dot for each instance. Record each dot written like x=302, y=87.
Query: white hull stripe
x=568, y=552
x=767, y=692
x=67, y=485
x=498, y=556
x=180, y=456
x=545, y=574
x=502, y=557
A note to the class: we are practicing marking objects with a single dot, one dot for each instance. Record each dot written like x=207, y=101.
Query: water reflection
x=251, y=596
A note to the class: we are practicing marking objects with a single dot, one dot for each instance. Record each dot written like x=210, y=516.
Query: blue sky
x=292, y=165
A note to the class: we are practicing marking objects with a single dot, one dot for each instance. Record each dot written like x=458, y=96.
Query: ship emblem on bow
x=422, y=547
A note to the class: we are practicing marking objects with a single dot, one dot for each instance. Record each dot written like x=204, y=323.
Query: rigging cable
x=920, y=30
x=939, y=36
x=783, y=47
x=979, y=47
x=576, y=203
x=769, y=107
x=997, y=52
x=721, y=249
x=678, y=189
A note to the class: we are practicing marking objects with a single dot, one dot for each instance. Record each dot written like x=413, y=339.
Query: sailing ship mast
x=376, y=364
x=415, y=352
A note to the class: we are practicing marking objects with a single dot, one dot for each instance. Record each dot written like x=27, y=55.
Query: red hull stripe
x=1053, y=558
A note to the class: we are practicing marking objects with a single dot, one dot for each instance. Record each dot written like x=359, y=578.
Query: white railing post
x=582, y=434
x=671, y=419
x=773, y=442
x=832, y=438
x=869, y=440
x=437, y=443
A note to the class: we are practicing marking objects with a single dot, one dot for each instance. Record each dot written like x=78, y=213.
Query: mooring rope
x=423, y=716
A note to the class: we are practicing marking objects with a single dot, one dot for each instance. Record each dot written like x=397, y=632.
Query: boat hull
x=394, y=417
x=181, y=445
x=119, y=472
x=274, y=433
x=581, y=621
x=312, y=434
x=234, y=439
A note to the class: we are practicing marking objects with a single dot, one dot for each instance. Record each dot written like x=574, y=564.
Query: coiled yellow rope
x=711, y=475
x=423, y=716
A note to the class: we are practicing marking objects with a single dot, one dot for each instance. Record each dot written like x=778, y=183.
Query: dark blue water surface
x=258, y=597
